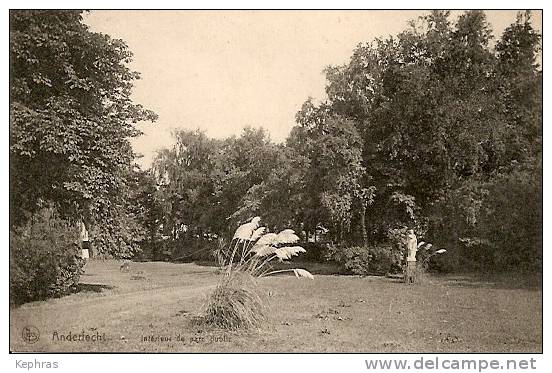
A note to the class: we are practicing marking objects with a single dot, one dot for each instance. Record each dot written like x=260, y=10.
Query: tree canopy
x=418, y=130
x=71, y=117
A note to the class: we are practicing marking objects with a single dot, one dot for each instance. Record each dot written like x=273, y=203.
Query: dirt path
x=107, y=310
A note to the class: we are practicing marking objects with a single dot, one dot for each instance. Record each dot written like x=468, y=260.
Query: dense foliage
x=367, y=260
x=438, y=128
x=44, y=258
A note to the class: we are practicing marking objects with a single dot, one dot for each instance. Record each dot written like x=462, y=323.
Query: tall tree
x=71, y=117
x=186, y=187
x=441, y=114
x=335, y=174
x=279, y=198
x=243, y=161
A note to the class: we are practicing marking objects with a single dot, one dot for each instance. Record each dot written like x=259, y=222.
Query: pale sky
x=223, y=70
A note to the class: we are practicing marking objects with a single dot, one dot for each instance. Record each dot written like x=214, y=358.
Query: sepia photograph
x=276, y=181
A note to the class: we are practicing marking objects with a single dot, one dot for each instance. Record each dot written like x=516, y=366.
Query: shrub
x=44, y=259
x=366, y=260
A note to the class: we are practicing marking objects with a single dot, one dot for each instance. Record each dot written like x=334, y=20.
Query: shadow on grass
x=80, y=288
x=92, y=288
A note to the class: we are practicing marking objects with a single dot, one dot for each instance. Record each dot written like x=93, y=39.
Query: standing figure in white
x=412, y=248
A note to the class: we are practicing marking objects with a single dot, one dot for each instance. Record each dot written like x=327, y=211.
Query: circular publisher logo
x=30, y=334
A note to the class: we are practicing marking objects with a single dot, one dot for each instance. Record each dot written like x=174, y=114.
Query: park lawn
x=141, y=310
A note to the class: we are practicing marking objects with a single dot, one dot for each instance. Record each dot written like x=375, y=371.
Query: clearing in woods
x=151, y=308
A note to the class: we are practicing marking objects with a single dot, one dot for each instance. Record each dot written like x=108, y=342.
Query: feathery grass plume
x=303, y=273
x=263, y=250
x=440, y=251
x=299, y=272
x=245, y=231
x=420, y=244
x=258, y=233
x=295, y=250
x=242, y=237
x=284, y=253
x=267, y=239
x=287, y=236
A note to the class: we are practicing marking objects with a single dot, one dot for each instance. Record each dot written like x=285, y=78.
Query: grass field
x=151, y=309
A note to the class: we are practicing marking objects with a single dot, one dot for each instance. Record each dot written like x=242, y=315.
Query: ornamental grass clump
x=236, y=303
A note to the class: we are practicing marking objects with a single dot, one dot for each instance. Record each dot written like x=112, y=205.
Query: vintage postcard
x=268, y=181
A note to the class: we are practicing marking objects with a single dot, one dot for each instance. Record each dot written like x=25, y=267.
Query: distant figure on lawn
x=411, y=247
